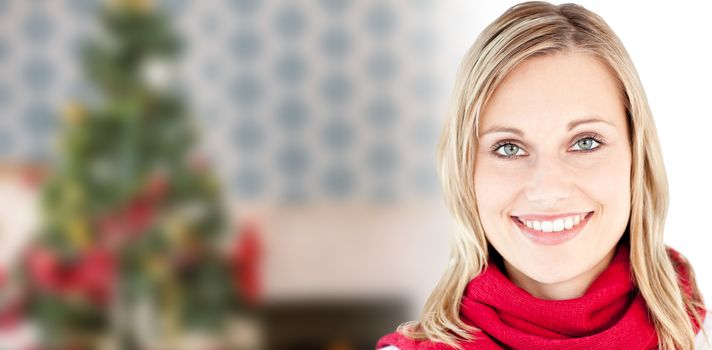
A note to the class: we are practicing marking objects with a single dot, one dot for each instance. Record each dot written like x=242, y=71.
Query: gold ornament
x=176, y=230
x=78, y=232
x=169, y=313
x=74, y=112
x=157, y=267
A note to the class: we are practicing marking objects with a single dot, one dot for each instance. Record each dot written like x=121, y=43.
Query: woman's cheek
x=496, y=188
x=604, y=167
x=607, y=183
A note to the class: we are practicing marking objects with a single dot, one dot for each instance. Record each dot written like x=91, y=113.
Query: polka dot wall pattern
x=297, y=101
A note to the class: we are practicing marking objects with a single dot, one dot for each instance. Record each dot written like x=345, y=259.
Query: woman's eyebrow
x=572, y=124
x=575, y=123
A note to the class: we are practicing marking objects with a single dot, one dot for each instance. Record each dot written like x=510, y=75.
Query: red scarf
x=611, y=314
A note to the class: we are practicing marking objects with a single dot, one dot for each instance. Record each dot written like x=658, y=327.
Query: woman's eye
x=586, y=144
x=510, y=150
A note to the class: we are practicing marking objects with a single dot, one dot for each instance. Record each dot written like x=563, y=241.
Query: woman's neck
x=569, y=289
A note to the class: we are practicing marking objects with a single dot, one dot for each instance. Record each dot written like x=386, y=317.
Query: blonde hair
x=523, y=31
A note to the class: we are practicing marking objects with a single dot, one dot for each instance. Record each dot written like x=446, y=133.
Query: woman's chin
x=548, y=270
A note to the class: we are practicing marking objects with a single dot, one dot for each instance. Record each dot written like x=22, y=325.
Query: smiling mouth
x=557, y=225
x=551, y=233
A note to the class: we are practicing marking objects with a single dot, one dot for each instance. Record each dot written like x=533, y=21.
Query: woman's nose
x=548, y=182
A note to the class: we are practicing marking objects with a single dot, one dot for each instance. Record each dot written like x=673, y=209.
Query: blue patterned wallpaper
x=297, y=101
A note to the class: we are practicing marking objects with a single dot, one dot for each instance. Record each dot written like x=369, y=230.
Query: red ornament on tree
x=139, y=215
x=95, y=275
x=91, y=275
x=246, y=257
x=118, y=228
x=44, y=269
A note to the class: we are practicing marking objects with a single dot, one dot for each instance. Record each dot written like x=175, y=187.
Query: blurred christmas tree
x=130, y=254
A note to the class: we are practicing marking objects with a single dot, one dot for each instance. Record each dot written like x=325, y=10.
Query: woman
x=550, y=163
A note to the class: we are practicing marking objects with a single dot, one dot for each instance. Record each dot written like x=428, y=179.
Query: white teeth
x=556, y=225
x=568, y=223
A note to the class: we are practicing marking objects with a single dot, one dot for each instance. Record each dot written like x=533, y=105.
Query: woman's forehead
x=555, y=91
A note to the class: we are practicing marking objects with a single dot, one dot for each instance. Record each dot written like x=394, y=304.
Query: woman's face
x=549, y=166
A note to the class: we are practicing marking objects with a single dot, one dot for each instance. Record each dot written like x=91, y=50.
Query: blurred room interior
x=319, y=120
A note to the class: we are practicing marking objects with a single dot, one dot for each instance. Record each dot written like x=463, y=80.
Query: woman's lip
x=551, y=238
x=550, y=217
